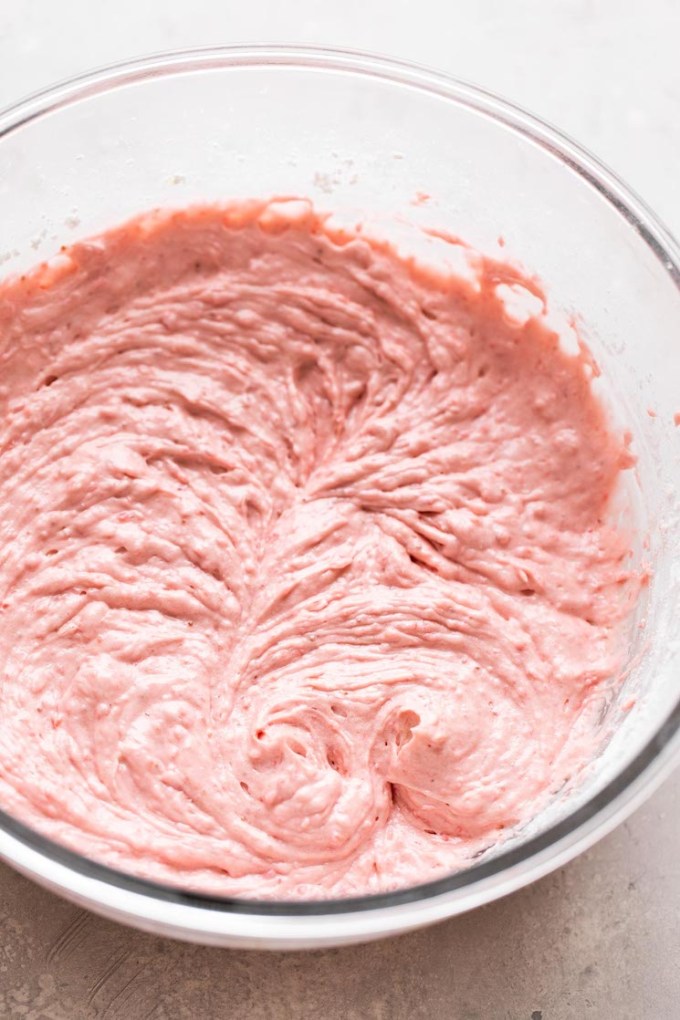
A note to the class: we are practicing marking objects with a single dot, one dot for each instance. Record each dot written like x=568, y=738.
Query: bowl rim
x=582, y=826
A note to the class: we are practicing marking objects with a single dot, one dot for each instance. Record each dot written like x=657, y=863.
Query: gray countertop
x=598, y=939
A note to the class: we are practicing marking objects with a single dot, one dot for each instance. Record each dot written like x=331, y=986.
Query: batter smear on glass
x=307, y=586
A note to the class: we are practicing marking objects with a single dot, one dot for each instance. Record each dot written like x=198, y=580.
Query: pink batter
x=305, y=580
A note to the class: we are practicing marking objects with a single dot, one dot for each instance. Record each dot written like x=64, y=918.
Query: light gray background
x=599, y=939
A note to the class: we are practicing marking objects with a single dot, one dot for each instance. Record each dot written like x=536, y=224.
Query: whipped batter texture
x=306, y=582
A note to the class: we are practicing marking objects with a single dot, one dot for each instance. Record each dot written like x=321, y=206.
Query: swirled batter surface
x=306, y=582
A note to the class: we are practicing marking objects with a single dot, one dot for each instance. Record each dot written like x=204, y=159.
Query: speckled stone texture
x=598, y=940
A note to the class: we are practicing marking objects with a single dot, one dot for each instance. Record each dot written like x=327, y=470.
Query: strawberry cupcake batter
x=306, y=581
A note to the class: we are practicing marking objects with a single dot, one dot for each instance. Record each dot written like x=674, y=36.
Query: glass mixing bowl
x=352, y=130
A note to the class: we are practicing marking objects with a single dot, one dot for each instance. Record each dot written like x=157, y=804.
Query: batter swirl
x=306, y=582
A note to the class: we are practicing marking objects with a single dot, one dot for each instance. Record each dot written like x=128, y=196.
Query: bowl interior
x=358, y=134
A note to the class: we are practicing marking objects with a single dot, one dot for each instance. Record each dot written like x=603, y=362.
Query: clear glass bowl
x=353, y=130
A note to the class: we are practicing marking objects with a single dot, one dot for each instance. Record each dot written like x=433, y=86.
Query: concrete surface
x=599, y=939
